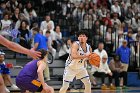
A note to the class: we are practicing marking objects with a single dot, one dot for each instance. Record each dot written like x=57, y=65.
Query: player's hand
x=48, y=89
x=87, y=55
x=34, y=54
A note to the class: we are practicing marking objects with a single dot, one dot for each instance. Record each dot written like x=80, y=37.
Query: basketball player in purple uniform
x=17, y=48
x=31, y=76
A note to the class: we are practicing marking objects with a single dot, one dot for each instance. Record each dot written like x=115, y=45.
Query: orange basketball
x=94, y=59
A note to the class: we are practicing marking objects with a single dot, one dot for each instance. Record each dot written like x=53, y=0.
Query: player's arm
x=17, y=48
x=41, y=67
x=74, y=52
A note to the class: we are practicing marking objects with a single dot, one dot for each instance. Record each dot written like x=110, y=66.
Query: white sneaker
x=14, y=86
x=7, y=90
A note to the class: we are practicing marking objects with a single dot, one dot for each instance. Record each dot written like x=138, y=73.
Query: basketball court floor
x=129, y=90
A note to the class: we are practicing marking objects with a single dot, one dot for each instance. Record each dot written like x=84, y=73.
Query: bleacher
x=69, y=27
x=56, y=72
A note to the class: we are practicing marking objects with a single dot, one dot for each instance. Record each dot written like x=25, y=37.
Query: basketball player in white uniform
x=76, y=63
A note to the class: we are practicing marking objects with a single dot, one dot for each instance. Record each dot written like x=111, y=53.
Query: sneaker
x=7, y=90
x=118, y=88
x=14, y=86
x=124, y=87
x=112, y=87
x=104, y=87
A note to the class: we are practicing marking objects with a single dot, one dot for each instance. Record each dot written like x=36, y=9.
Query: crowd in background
x=109, y=21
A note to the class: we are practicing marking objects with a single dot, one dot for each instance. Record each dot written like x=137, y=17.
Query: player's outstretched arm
x=17, y=48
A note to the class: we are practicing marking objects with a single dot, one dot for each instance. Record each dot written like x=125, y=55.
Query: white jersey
x=78, y=63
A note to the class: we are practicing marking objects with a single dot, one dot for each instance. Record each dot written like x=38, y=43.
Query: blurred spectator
x=107, y=18
x=123, y=8
x=101, y=3
x=120, y=39
x=87, y=22
x=115, y=19
x=135, y=21
x=15, y=16
x=2, y=8
x=129, y=15
x=103, y=28
x=109, y=38
x=44, y=24
x=52, y=35
x=5, y=25
x=79, y=11
x=121, y=28
x=117, y=70
x=5, y=22
x=58, y=35
x=50, y=48
x=41, y=42
x=24, y=35
x=129, y=38
x=21, y=6
x=11, y=5
x=65, y=49
x=29, y=11
x=96, y=33
x=116, y=8
x=124, y=53
x=103, y=11
x=34, y=25
x=93, y=15
x=102, y=72
x=137, y=48
x=136, y=5
x=100, y=50
x=5, y=71
x=21, y=17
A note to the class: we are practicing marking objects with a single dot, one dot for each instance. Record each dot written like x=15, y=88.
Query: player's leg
x=83, y=75
x=67, y=78
x=64, y=87
x=87, y=84
x=2, y=85
x=8, y=78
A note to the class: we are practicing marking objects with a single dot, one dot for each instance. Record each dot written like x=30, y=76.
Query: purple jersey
x=26, y=75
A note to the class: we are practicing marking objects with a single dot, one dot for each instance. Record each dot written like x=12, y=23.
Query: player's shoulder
x=75, y=43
